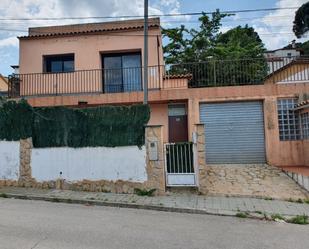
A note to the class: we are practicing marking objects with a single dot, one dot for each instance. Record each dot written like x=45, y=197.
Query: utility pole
x=145, y=51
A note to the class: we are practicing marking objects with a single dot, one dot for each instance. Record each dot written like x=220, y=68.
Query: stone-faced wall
x=201, y=158
x=155, y=168
x=155, y=172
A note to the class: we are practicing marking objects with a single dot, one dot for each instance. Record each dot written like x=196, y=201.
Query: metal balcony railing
x=210, y=73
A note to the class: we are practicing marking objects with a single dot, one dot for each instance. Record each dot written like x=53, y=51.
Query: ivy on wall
x=15, y=120
x=108, y=126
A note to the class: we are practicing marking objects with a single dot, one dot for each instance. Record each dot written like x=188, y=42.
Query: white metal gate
x=180, y=161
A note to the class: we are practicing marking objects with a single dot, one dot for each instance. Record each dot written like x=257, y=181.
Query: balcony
x=211, y=73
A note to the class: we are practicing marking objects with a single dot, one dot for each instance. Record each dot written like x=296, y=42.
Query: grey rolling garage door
x=234, y=132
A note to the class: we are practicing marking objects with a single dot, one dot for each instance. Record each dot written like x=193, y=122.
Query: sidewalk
x=188, y=203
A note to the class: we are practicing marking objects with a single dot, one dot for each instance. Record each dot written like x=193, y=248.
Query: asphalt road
x=36, y=224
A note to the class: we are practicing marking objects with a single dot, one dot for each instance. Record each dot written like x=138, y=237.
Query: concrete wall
x=159, y=116
x=127, y=163
x=9, y=160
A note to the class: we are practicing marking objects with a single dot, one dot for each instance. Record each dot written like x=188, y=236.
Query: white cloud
x=275, y=28
x=10, y=41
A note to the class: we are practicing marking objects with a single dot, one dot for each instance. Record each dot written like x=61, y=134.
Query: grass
x=268, y=198
x=258, y=212
x=299, y=219
x=55, y=200
x=3, y=195
x=298, y=200
x=242, y=215
x=144, y=192
x=277, y=217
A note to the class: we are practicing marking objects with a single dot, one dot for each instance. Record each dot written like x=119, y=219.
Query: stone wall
x=201, y=158
x=154, y=168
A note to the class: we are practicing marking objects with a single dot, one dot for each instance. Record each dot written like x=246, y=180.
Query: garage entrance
x=234, y=132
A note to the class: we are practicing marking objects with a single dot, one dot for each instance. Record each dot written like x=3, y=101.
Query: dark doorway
x=177, y=123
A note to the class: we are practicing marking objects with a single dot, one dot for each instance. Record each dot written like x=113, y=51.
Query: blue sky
x=274, y=27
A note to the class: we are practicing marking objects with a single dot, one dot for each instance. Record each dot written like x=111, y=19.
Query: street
x=37, y=224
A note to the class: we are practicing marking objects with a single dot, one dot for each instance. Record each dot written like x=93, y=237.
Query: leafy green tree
x=241, y=50
x=201, y=53
x=191, y=45
x=305, y=47
x=301, y=21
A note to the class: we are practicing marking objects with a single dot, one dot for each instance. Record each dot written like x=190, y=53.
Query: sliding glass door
x=122, y=72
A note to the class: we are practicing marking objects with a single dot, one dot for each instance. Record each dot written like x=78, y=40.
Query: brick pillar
x=155, y=168
x=25, y=175
x=201, y=158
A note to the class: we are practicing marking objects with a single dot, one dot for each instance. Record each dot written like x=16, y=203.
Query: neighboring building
x=280, y=57
x=3, y=85
x=246, y=120
x=283, y=52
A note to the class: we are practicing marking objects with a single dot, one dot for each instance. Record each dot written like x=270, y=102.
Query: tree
x=301, y=21
x=305, y=47
x=208, y=47
x=244, y=49
x=199, y=44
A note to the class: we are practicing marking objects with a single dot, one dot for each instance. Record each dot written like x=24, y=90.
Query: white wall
x=9, y=160
x=97, y=163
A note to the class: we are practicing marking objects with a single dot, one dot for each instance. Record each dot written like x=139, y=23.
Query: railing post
x=273, y=70
x=56, y=83
x=215, y=75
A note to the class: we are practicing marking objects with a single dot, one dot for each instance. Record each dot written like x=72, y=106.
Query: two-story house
x=247, y=119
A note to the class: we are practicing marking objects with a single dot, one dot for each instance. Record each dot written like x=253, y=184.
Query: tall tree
x=301, y=21
x=210, y=46
x=191, y=45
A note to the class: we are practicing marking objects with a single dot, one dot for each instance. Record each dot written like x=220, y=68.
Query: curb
x=122, y=205
x=217, y=212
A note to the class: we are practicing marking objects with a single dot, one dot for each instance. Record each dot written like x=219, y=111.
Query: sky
x=274, y=27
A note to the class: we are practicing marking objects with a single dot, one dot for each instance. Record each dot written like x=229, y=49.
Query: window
x=59, y=63
x=305, y=125
x=289, y=54
x=122, y=72
x=288, y=120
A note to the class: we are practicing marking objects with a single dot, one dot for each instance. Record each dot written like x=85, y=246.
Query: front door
x=177, y=123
